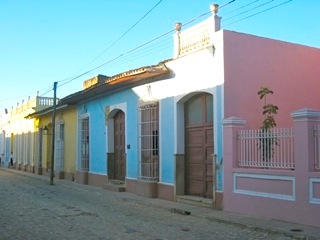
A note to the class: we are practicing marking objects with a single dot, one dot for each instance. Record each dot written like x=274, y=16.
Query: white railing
x=45, y=101
x=316, y=138
x=266, y=148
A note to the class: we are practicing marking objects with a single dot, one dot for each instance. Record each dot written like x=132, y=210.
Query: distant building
x=17, y=133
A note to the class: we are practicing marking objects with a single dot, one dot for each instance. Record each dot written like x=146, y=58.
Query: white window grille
x=83, y=141
x=28, y=148
x=17, y=149
x=61, y=131
x=23, y=148
x=272, y=148
x=316, y=135
x=59, y=149
x=148, y=149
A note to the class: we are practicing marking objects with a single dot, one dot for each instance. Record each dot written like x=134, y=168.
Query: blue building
x=156, y=130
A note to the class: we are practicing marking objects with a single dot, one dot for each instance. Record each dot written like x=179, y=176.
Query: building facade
x=18, y=137
x=167, y=130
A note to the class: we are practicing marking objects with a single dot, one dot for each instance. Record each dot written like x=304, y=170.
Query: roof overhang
x=120, y=82
x=46, y=111
x=116, y=83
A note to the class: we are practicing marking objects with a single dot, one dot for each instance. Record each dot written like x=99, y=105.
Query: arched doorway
x=199, y=145
x=119, y=146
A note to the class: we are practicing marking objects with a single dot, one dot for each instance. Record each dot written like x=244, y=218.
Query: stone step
x=197, y=201
x=115, y=185
x=116, y=182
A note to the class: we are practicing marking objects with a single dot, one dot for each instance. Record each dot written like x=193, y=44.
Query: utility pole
x=53, y=131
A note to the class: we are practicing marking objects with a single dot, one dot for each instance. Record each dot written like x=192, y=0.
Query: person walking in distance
x=11, y=160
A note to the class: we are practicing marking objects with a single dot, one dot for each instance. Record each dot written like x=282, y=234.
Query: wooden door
x=208, y=167
x=199, y=174
x=119, y=146
x=199, y=146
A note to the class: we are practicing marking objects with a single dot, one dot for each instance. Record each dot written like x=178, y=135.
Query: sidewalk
x=256, y=224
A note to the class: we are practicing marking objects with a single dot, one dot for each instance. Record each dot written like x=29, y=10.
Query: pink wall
x=292, y=71
x=287, y=195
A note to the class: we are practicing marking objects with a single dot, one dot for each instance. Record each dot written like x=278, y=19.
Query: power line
x=115, y=58
x=68, y=80
x=136, y=52
x=241, y=7
x=116, y=41
x=265, y=10
x=206, y=13
x=122, y=56
x=141, y=53
x=47, y=91
x=142, y=45
x=187, y=23
x=27, y=95
x=261, y=5
x=226, y=4
x=135, y=57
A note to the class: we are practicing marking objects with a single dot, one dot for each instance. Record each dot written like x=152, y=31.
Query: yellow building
x=64, y=141
x=18, y=134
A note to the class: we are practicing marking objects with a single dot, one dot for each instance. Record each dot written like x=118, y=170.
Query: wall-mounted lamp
x=46, y=130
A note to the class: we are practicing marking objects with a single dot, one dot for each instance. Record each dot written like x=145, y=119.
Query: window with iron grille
x=149, y=141
x=83, y=144
x=61, y=131
x=29, y=144
x=59, y=148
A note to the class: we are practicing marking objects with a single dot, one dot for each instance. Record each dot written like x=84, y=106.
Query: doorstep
x=197, y=201
x=115, y=185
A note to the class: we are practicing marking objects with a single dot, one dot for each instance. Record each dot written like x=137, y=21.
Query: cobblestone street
x=33, y=209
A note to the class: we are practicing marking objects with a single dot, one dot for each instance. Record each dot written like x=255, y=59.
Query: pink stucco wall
x=265, y=185
x=292, y=71
x=281, y=194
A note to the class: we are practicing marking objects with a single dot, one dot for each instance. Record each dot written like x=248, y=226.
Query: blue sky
x=43, y=41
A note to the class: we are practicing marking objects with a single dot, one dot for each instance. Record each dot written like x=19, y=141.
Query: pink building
x=290, y=70
x=286, y=186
